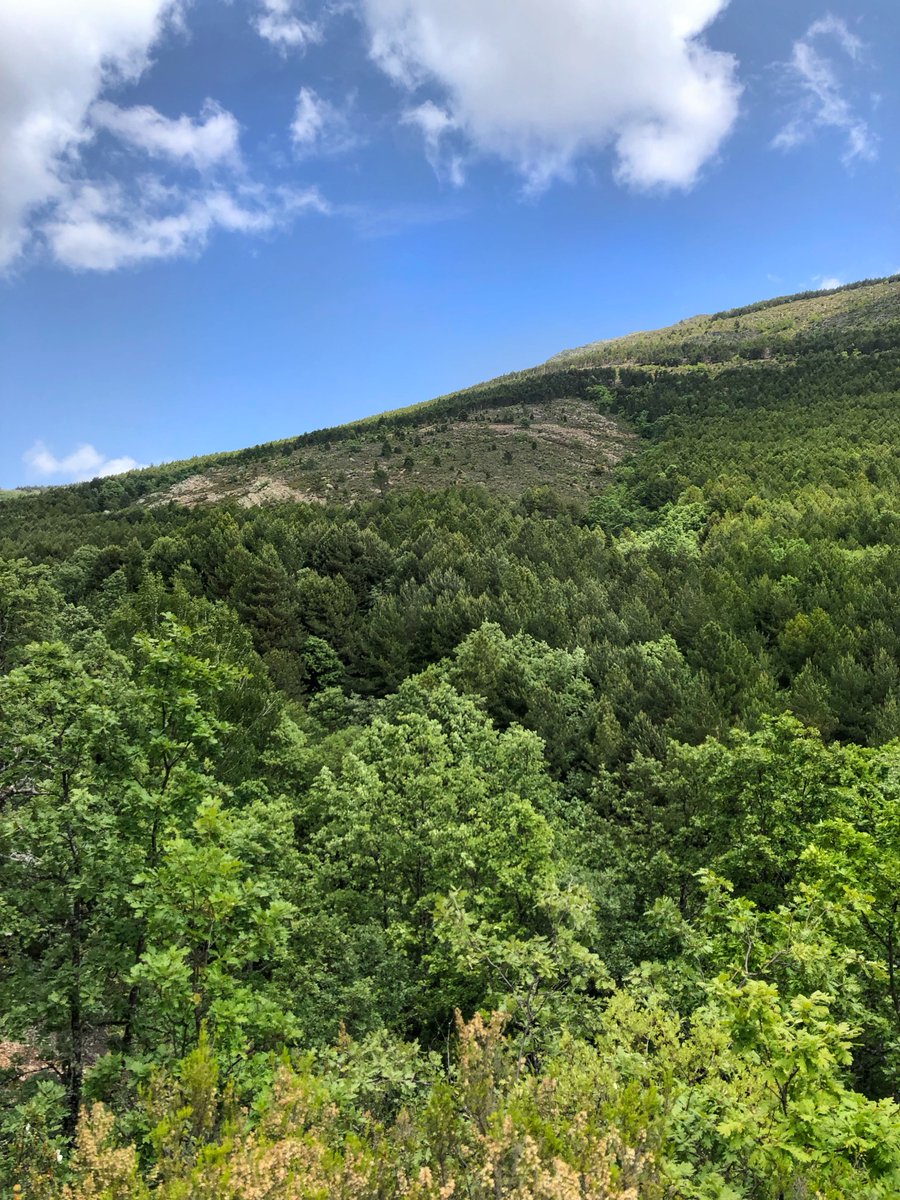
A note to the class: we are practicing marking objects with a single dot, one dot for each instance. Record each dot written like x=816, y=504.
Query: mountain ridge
x=827, y=309
x=564, y=422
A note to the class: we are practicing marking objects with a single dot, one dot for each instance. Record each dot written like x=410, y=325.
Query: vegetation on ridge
x=854, y=315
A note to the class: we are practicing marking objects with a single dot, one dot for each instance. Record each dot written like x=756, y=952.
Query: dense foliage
x=445, y=844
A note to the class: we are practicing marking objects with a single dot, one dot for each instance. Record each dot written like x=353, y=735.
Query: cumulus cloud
x=828, y=283
x=280, y=22
x=85, y=462
x=822, y=102
x=541, y=83
x=211, y=141
x=182, y=180
x=320, y=127
x=55, y=58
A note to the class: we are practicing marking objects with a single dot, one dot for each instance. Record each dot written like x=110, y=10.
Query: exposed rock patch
x=208, y=489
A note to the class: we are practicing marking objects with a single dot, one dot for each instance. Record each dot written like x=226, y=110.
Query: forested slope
x=449, y=840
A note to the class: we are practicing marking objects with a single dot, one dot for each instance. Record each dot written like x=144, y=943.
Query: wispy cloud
x=85, y=462
x=321, y=127
x=436, y=124
x=211, y=141
x=282, y=23
x=821, y=97
x=103, y=227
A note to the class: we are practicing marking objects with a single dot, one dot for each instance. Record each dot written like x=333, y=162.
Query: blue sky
x=223, y=223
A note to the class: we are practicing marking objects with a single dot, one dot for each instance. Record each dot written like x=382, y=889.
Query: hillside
x=522, y=821
x=509, y=449
x=546, y=425
x=785, y=326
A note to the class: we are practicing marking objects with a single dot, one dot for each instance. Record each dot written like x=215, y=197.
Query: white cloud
x=209, y=142
x=320, y=127
x=104, y=227
x=55, y=58
x=822, y=102
x=85, y=462
x=542, y=83
x=280, y=23
x=310, y=118
x=828, y=283
x=435, y=124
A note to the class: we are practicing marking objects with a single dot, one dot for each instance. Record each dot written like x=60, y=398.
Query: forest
x=444, y=842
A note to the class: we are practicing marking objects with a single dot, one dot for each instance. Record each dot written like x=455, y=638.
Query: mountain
x=429, y=840
x=549, y=425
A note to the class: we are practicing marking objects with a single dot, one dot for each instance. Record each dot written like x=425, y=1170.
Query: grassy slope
x=510, y=449
x=770, y=328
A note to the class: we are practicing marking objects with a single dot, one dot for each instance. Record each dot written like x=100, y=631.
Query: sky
x=228, y=221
